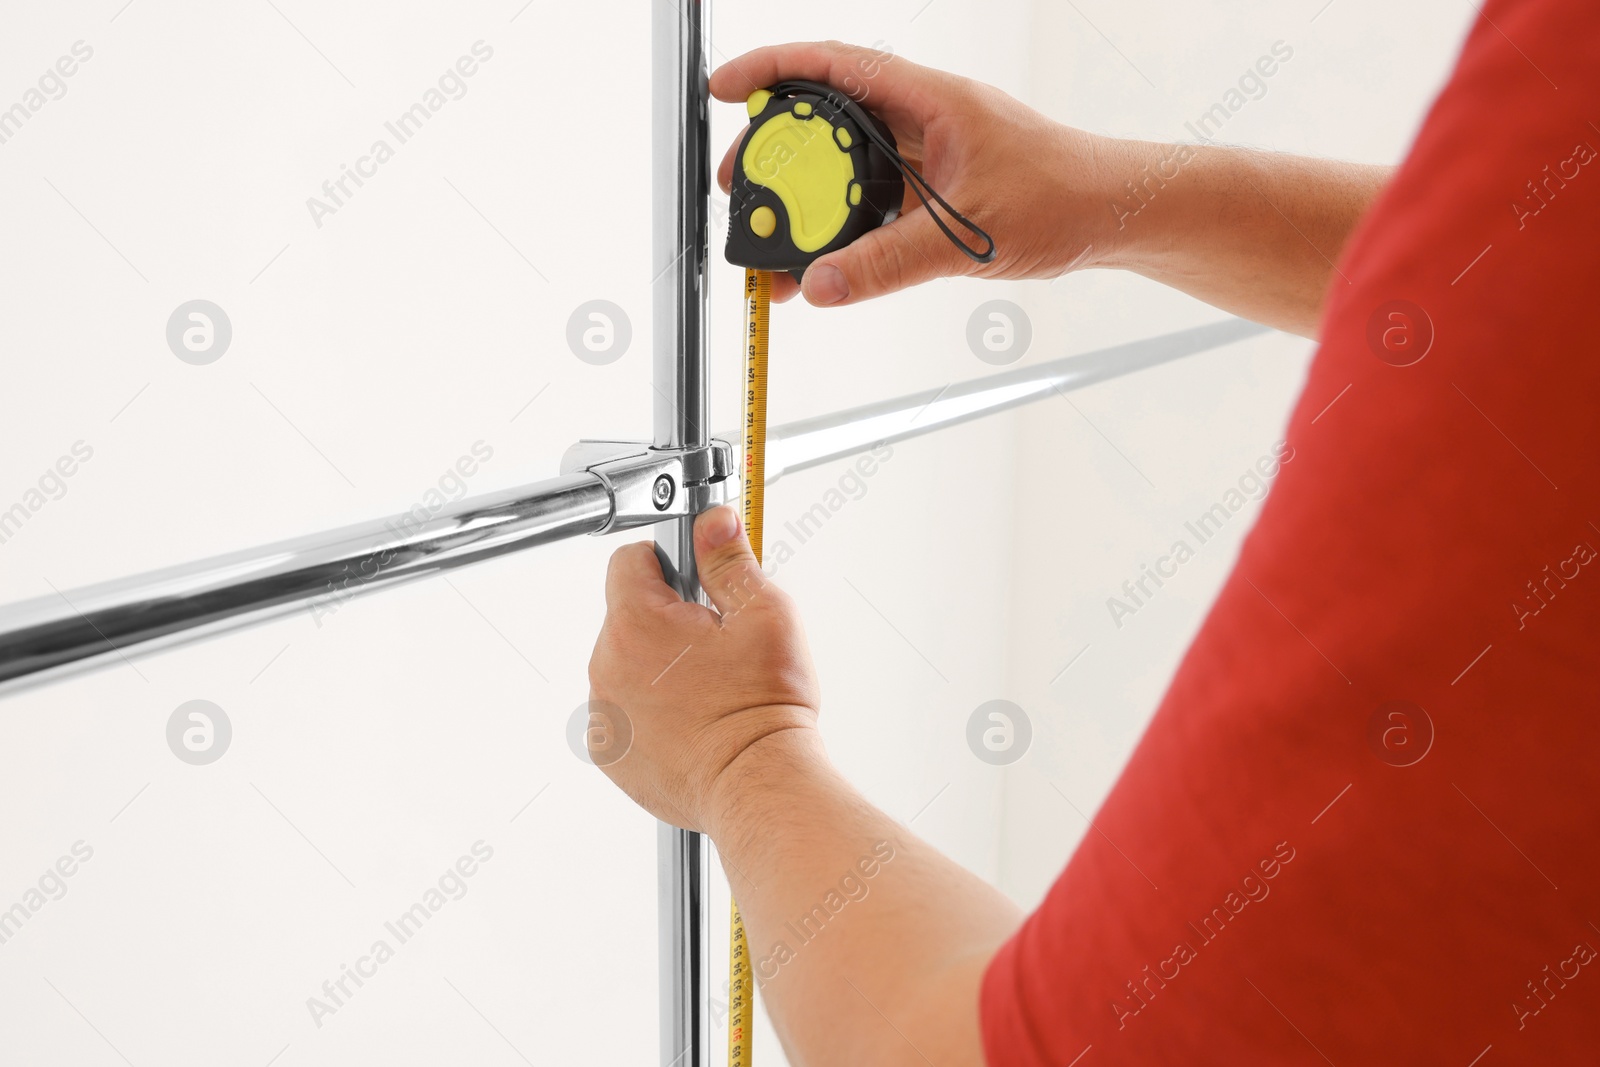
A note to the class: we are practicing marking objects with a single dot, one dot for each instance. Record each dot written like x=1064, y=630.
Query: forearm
x=1254, y=233
x=868, y=945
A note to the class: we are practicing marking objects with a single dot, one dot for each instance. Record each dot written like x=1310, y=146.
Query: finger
x=908, y=251
x=634, y=579
x=897, y=89
x=784, y=287
x=728, y=569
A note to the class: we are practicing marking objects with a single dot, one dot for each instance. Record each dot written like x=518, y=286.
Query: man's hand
x=1253, y=233
x=693, y=689
x=1027, y=180
x=722, y=707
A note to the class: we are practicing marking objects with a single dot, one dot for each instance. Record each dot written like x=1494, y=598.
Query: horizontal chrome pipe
x=103, y=624
x=114, y=621
x=794, y=446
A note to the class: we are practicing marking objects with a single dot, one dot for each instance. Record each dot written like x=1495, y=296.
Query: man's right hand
x=1254, y=233
x=1028, y=181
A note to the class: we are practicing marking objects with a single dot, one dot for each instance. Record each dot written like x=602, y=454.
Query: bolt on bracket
x=648, y=485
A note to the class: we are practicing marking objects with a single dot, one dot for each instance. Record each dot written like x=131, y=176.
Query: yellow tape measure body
x=758, y=304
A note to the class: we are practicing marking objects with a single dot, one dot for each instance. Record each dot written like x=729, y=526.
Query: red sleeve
x=1362, y=826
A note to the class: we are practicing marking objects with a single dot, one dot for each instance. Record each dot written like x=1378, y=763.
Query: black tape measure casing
x=807, y=179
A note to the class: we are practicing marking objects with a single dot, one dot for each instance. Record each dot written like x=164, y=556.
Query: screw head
x=662, y=492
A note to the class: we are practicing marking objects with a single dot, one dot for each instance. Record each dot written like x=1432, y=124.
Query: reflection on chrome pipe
x=795, y=446
x=110, y=623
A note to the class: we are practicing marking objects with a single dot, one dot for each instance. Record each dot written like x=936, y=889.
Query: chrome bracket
x=648, y=485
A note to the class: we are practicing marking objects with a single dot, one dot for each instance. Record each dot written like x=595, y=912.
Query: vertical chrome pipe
x=681, y=179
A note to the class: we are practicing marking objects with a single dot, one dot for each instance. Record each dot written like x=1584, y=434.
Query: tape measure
x=815, y=171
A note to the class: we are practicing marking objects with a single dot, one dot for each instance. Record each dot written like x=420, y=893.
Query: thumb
x=728, y=569
x=908, y=251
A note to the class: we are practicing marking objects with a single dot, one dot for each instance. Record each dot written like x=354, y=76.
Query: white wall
x=373, y=750
x=369, y=353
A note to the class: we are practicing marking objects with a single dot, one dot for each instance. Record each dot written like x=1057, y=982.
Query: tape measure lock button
x=763, y=221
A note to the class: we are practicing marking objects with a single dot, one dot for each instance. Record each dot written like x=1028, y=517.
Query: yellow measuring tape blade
x=757, y=304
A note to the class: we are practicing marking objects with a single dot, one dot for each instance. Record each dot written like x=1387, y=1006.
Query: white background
x=429, y=313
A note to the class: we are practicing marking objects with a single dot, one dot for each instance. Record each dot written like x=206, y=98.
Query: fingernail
x=719, y=526
x=826, y=285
